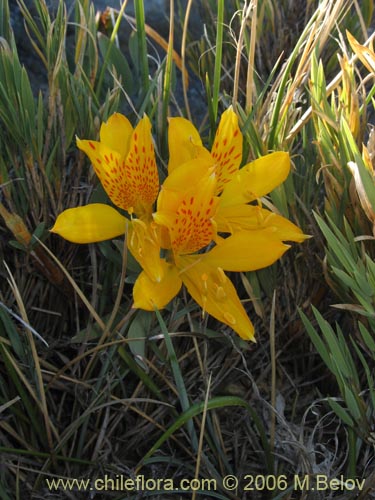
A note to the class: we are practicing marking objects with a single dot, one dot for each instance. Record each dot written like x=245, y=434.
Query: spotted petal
x=179, y=185
x=215, y=293
x=131, y=182
x=141, y=169
x=89, y=224
x=110, y=168
x=190, y=223
x=256, y=179
x=149, y=294
x=227, y=148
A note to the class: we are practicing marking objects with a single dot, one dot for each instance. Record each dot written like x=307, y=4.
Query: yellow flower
x=207, y=226
x=203, y=224
x=124, y=161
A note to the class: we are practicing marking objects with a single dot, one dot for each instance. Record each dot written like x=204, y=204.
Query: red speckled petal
x=191, y=225
x=110, y=168
x=141, y=169
x=215, y=293
x=131, y=183
x=227, y=148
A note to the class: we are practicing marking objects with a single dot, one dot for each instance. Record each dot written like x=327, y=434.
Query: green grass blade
x=142, y=45
x=218, y=58
x=178, y=377
x=197, y=409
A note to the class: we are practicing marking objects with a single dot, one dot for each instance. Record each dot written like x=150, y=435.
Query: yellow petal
x=111, y=171
x=116, y=134
x=184, y=180
x=183, y=139
x=144, y=244
x=149, y=294
x=215, y=293
x=236, y=217
x=132, y=182
x=227, y=148
x=141, y=169
x=247, y=250
x=89, y=224
x=188, y=175
x=256, y=179
x=191, y=225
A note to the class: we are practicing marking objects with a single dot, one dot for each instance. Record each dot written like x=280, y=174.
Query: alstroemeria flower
x=207, y=225
x=124, y=161
x=235, y=187
x=203, y=224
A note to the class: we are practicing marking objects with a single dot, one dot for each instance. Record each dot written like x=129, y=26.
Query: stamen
x=221, y=275
x=220, y=293
x=230, y=318
x=204, y=301
x=204, y=278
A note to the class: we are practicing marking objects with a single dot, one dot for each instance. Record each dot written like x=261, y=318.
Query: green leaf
x=115, y=59
x=137, y=335
x=341, y=412
x=369, y=377
x=198, y=408
x=177, y=374
x=351, y=401
x=16, y=244
x=34, y=417
x=367, y=337
x=12, y=334
x=39, y=231
x=316, y=340
x=333, y=345
x=142, y=46
x=143, y=376
x=5, y=29
x=336, y=243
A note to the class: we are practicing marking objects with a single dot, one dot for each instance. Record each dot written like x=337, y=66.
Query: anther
x=204, y=278
x=221, y=275
x=230, y=318
x=220, y=293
